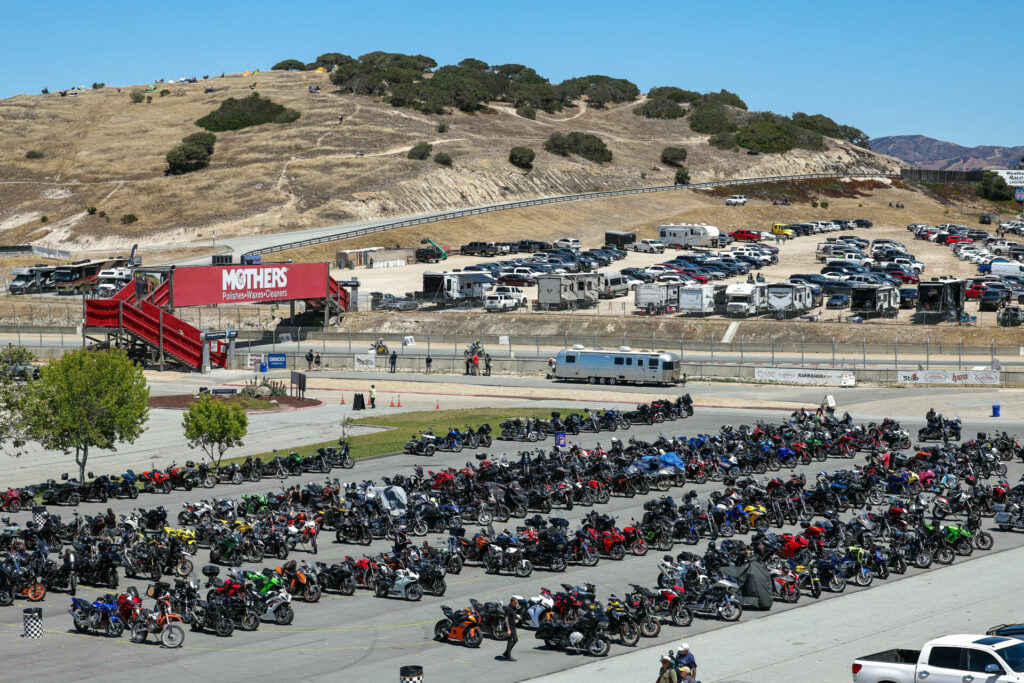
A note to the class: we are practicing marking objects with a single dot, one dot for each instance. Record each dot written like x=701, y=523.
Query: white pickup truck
x=736, y=200
x=649, y=246
x=950, y=659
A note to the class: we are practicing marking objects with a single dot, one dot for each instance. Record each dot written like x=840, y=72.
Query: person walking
x=685, y=658
x=309, y=359
x=394, y=359
x=476, y=364
x=430, y=361
x=469, y=362
x=513, y=637
x=110, y=523
x=317, y=361
x=667, y=673
x=487, y=364
x=373, y=396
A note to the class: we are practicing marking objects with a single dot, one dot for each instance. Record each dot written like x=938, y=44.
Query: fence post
x=992, y=353
x=801, y=350
x=959, y=353
x=456, y=342
x=712, y=347
x=538, y=345
x=773, y=350
x=896, y=354
x=566, y=339
x=864, y=352
x=681, y=346
x=833, y=351
x=741, y=349
x=928, y=353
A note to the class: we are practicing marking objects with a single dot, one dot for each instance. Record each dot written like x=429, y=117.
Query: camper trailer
x=570, y=290
x=746, y=300
x=624, y=366
x=697, y=299
x=686, y=235
x=939, y=299
x=871, y=301
x=656, y=297
x=789, y=299
x=443, y=287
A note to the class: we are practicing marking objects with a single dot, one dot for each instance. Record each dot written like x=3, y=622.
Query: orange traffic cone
x=392, y=401
x=438, y=406
x=342, y=400
x=399, y=400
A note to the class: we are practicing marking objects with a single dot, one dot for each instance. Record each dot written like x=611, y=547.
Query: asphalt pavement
x=366, y=638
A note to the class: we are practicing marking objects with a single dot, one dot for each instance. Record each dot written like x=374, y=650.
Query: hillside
x=102, y=151
x=925, y=152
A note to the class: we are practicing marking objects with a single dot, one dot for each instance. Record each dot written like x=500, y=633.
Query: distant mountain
x=925, y=152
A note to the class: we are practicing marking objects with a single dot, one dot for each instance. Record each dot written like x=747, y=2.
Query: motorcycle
x=586, y=635
x=461, y=626
x=718, y=600
x=401, y=583
x=102, y=616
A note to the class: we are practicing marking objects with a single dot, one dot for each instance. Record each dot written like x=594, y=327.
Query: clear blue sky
x=943, y=69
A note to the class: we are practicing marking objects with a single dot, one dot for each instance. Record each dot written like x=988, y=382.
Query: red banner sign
x=209, y=285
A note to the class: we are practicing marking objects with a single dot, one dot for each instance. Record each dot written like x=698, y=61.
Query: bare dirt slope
x=101, y=150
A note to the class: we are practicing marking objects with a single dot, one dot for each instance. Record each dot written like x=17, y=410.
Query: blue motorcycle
x=100, y=616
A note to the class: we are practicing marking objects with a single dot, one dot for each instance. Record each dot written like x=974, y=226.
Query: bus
x=81, y=276
x=622, y=366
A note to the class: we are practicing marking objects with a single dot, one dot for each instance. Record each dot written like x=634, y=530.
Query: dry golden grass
x=103, y=151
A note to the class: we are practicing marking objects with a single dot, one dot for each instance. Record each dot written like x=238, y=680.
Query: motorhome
x=32, y=280
x=111, y=281
x=622, y=366
x=688, y=235
x=789, y=299
x=745, y=300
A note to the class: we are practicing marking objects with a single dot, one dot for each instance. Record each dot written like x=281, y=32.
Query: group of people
x=897, y=205
x=678, y=668
x=473, y=363
x=313, y=360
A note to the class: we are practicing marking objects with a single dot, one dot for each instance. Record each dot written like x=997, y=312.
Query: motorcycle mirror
x=64, y=477
x=90, y=475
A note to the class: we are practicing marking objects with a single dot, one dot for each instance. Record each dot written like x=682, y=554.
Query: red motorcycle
x=156, y=480
x=667, y=602
x=634, y=537
x=15, y=500
x=129, y=606
x=785, y=585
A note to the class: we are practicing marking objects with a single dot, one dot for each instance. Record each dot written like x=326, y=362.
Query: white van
x=612, y=285
x=1007, y=268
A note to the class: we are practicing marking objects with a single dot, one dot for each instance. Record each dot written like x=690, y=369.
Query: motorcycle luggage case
x=459, y=531
x=211, y=570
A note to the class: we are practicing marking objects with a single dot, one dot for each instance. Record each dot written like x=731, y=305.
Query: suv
x=746, y=236
x=380, y=301
x=479, y=249
x=736, y=200
x=514, y=292
x=499, y=302
x=568, y=243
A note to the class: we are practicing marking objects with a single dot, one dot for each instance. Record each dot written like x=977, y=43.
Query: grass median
x=400, y=427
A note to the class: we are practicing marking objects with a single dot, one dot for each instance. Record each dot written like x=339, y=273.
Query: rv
x=456, y=286
x=871, y=301
x=31, y=280
x=939, y=299
x=571, y=290
x=788, y=299
x=111, y=281
x=81, y=276
x=697, y=299
x=656, y=296
x=688, y=235
x=745, y=300
x=624, y=366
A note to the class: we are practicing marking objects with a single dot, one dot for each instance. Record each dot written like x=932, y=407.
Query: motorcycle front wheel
x=598, y=647
x=172, y=637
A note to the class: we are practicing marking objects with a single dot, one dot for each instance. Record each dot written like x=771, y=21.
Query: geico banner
x=209, y=285
x=990, y=377
x=801, y=375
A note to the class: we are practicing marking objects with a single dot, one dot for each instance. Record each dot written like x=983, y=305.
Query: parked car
x=517, y=280
x=838, y=301
x=568, y=243
x=736, y=200
x=389, y=302
x=745, y=236
x=499, y=302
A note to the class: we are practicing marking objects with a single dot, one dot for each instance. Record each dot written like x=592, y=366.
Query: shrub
x=521, y=157
x=823, y=125
x=45, y=91
x=682, y=177
x=420, y=151
x=288, y=65
x=33, y=154
x=443, y=159
x=136, y=95
x=91, y=211
x=673, y=156
x=165, y=92
x=993, y=187
x=725, y=97
x=149, y=99
x=103, y=214
x=674, y=94
x=585, y=145
x=824, y=205
x=764, y=137
x=814, y=205
x=98, y=86
x=527, y=112
x=129, y=218
x=43, y=219
x=711, y=117
x=660, y=108
x=442, y=127
x=186, y=157
x=204, y=140
x=723, y=141
x=234, y=114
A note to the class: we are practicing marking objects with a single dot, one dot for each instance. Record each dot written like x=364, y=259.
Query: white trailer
x=789, y=299
x=745, y=300
x=569, y=290
x=656, y=296
x=456, y=286
x=688, y=235
x=697, y=299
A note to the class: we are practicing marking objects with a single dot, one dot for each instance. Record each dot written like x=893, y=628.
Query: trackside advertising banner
x=801, y=375
x=990, y=377
x=209, y=285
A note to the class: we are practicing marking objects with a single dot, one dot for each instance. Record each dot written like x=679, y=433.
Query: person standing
x=487, y=364
x=685, y=658
x=110, y=523
x=667, y=673
x=513, y=637
x=430, y=361
x=309, y=359
x=317, y=360
x=373, y=396
x=394, y=359
x=469, y=362
x=476, y=364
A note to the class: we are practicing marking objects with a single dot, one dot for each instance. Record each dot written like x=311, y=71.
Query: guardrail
x=447, y=215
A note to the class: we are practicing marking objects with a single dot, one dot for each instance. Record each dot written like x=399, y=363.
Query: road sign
x=560, y=439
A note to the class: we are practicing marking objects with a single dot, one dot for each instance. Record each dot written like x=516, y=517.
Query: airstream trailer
x=621, y=366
